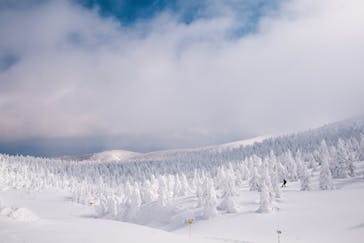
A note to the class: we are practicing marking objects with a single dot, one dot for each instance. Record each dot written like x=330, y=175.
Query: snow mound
x=23, y=214
x=6, y=211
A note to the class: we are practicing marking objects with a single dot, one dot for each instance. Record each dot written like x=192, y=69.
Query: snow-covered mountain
x=109, y=155
x=306, y=141
x=124, y=155
x=231, y=184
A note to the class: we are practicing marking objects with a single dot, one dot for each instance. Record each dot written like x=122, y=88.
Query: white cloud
x=79, y=74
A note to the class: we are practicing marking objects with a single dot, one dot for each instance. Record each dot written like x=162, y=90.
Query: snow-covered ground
x=61, y=220
x=310, y=216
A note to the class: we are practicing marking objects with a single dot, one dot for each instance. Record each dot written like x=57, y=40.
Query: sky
x=81, y=76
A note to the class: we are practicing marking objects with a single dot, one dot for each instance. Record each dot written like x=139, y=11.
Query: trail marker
x=189, y=222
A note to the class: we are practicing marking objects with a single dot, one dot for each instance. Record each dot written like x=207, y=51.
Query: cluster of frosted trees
x=122, y=190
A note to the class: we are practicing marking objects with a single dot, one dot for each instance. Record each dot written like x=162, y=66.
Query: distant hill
x=111, y=155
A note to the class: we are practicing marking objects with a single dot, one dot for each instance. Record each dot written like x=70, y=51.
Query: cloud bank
x=66, y=71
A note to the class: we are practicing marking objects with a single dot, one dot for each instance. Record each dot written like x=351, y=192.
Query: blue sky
x=131, y=11
x=82, y=76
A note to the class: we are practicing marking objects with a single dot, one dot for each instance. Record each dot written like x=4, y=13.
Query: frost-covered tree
x=245, y=171
x=185, y=188
x=342, y=160
x=305, y=180
x=282, y=171
x=254, y=180
x=220, y=177
x=147, y=192
x=351, y=148
x=323, y=151
x=177, y=189
x=209, y=199
x=132, y=204
x=325, y=176
x=264, y=203
x=162, y=192
x=312, y=164
x=101, y=207
x=299, y=163
x=229, y=191
x=265, y=178
x=275, y=184
x=291, y=166
x=112, y=206
x=361, y=147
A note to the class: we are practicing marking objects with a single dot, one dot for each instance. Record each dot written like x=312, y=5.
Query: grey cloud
x=82, y=75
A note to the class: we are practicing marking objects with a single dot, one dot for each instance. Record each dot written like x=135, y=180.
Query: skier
x=284, y=183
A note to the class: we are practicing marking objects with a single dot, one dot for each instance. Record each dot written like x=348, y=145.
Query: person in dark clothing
x=284, y=183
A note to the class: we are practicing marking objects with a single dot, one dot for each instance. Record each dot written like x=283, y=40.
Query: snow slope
x=313, y=216
x=64, y=221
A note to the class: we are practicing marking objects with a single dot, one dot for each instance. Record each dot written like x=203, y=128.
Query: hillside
x=233, y=192
x=109, y=155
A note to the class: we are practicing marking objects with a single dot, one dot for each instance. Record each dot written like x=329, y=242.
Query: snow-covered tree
x=162, y=192
x=361, y=147
x=312, y=164
x=229, y=191
x=254, y=180
x=325, y=176
x=147, y=192
x=342, y=160
x=275, y=184
x=264, y=203
x=265, y=179
x=209, y=200
x=299, y=163
x=291, y=166
x=305, y=180
x=132, y=204
x=186, y=189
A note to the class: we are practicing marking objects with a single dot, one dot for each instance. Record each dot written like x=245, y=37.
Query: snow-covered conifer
x=162, y=192
x=264, y=203
x=342, y=170
x=312, y=164
x=185, y=188
x=275, y=184
x=305, y=180
x=299, y=163
x=361, y=147
x=132, y=204
x=147, y=193
x=229, y=191
x=325, y=176
x=291, y=166
x=254, y=180
x=209, y=199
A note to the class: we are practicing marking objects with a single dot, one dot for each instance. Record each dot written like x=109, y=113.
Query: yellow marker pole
x=190, y=222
